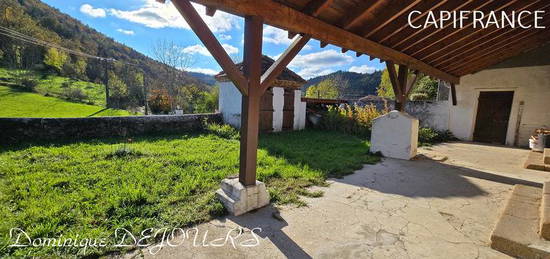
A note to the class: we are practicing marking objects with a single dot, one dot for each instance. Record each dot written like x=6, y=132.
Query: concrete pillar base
x=239, y=199
x=395, y=135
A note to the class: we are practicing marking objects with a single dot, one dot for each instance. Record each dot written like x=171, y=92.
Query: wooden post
x=250, y=110
x=453, y=94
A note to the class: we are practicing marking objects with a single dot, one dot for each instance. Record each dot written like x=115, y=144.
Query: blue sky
x=140, y=23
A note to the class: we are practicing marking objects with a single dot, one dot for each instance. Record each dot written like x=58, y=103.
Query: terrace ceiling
x=380, y=29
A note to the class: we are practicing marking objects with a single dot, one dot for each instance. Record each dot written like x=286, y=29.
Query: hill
x=351, y=85
x=204, y=78
x=17, y=103
x=129, y=76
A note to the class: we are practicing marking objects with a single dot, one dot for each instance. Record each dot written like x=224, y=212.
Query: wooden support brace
x=276, y=68
x=344, y=50
x=323, y=44
x=402, y=78
x=206, y=36
x=291, y=35
x=358, y=54
x=412, y=81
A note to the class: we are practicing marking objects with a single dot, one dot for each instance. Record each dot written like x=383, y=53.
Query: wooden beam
x=210, y=11
x=250, y=110
x=498, y=54
x=315, y=7
x=358, y=54
x=344, y=50
x=393, y=79
x=411, y=82
x=395, y=28
x=476, y=50
x=450, y=33
x=323, y=44
x=206, y=36
x=453, y=6
x=360, y=12
x=470, y=60
x=392, y=16
x=467, y=38
x=276, y=68
x=282, y=16
x=291, y=35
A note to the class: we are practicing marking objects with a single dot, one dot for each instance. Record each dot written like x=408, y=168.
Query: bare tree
x=171, y=54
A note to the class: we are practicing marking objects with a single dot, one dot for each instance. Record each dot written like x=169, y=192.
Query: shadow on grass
x=98, y=112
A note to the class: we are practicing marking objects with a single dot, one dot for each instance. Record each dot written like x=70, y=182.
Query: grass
x=90, y=188
x=16, y=103
x=55, y=86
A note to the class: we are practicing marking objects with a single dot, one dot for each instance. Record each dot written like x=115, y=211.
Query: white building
x=281, y=107
x=505, y=103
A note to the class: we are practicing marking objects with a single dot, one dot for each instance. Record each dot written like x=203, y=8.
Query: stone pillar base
x=395, y=135
x=239, y=199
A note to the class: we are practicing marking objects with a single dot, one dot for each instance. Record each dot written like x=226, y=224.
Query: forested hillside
x=31, y=31
x=349, y=84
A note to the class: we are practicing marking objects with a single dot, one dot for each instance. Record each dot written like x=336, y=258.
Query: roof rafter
x=282, y=16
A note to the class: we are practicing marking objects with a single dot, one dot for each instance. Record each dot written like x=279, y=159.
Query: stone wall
x=13, y=130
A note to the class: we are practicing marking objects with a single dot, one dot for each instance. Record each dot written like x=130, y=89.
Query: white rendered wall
x=299, y=111
x=527, y=76
x=395, y=135
x=230, y=101
x=278, y=105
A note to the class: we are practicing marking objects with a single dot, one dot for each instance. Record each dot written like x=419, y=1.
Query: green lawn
x=15, y=103
x=56, y=86
x=90, y=188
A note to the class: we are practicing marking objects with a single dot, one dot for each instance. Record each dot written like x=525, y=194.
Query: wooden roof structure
x=379, y=28
x=287, y=78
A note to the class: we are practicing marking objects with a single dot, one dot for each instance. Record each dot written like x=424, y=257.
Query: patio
x=442, y=205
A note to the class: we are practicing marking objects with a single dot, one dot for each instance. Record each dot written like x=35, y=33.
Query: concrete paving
x=444, y=204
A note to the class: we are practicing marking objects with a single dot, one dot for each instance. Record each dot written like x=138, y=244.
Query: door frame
x=512, y=119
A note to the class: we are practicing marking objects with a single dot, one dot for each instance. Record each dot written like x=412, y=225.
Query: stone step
x=545, y=212
x=517, y=230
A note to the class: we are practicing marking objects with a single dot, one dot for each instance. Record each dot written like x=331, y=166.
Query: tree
x=160, y=101
x=208, y=101
x=55, y=59
x=326, y=89
x=117, y=90
x=424, y=89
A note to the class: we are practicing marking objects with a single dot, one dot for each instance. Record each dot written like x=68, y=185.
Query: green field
x=16, y=103
x=55, y=86
x=90, y=188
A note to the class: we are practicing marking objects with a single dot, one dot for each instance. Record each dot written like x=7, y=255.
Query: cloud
x=207, y=71
x=127, y=32
x=200, y=49
x=225, y=36
x=93, y=12
x=156, y=15
x=319, y=63
x=364, y=69
x=276, y=36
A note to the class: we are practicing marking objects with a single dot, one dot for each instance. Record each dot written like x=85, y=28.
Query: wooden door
x=266, y=111
x=493, y=114
x=288, y=110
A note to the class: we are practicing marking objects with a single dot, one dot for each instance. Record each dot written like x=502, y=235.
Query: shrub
x=75, y=94
x=29, y=83
x=222, y=130
x=354, y=120
x=428, y=136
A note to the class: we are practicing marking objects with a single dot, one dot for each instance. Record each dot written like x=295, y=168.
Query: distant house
x=281, y=106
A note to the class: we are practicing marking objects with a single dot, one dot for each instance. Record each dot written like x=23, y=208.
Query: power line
x=29, y=39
